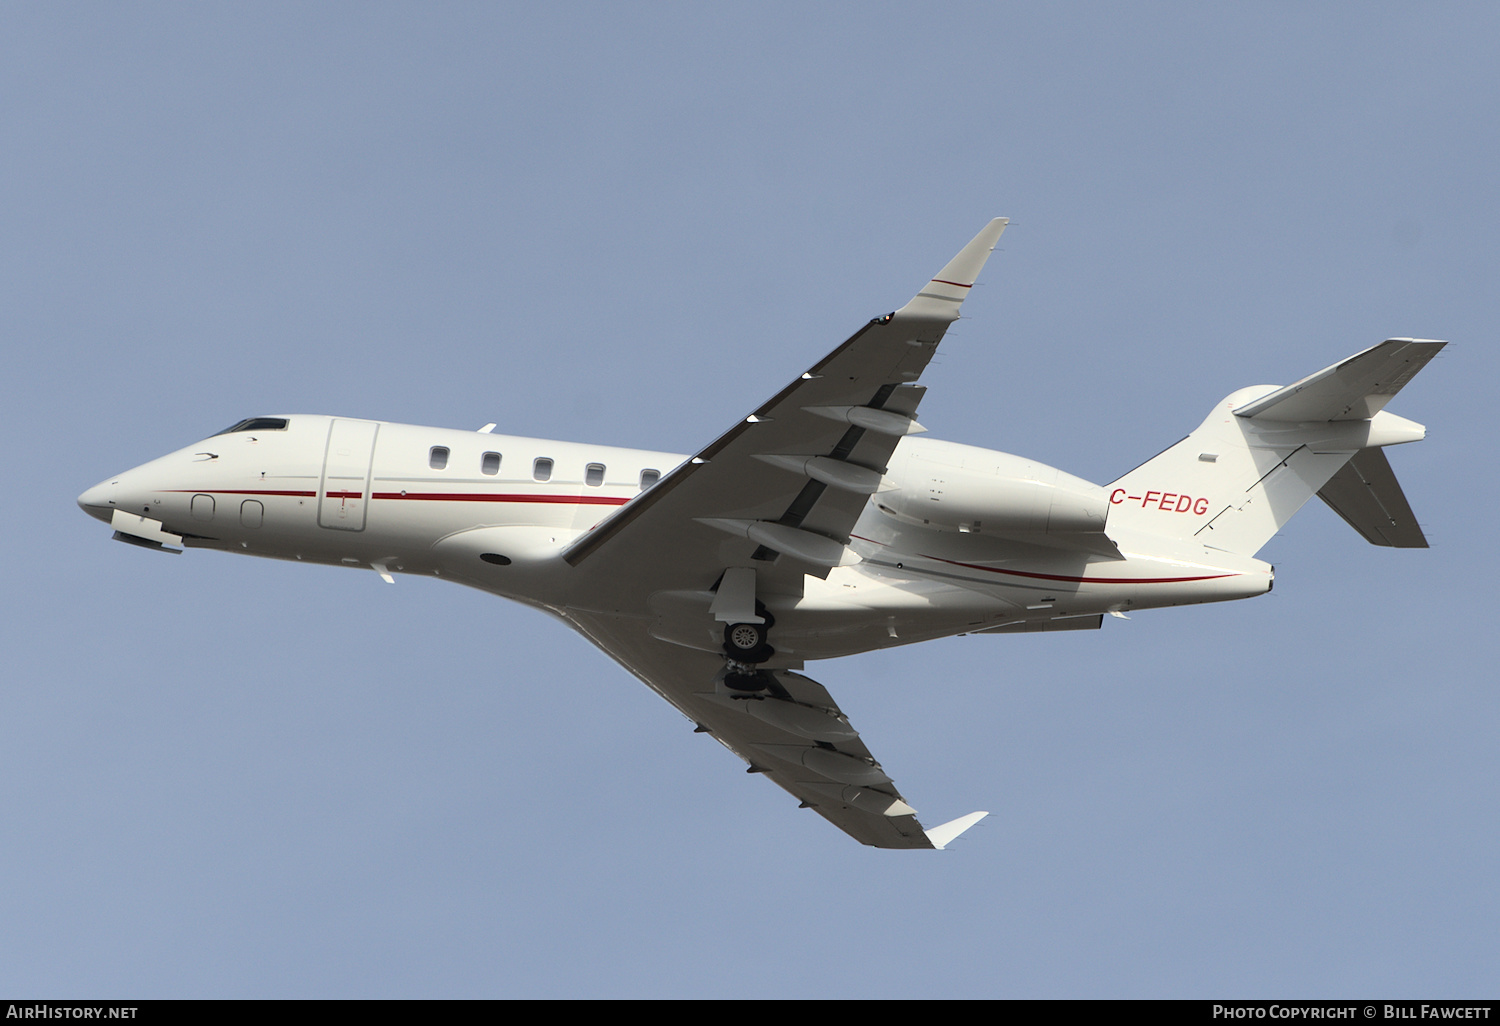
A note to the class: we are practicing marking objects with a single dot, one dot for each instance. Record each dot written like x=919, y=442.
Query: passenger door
x=344, y=490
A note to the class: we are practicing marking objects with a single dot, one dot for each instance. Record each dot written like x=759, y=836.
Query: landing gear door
x=344, y=490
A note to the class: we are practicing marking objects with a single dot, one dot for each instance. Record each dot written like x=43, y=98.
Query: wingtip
x=947, y=833
x=944, y=294
x=963, y=270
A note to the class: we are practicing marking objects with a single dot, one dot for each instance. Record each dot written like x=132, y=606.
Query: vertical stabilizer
x=1264, y=451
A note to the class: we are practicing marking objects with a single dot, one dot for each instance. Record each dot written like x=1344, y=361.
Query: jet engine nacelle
x=964, y=488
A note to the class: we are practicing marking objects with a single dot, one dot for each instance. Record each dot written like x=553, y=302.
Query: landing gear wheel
x=745, y=637
x=747, y=684
x=745, y=680
x=747, y=642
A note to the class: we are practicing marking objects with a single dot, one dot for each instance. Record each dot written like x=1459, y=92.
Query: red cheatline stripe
x=247, y=491
x=1061, y=577
x=1081, y=580
x=959, y=284
x=576, y=500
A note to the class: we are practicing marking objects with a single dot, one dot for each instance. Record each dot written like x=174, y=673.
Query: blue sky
x=630, y=224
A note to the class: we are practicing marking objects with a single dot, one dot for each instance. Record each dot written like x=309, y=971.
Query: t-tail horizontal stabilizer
x=947, y=833
x=1369, y=498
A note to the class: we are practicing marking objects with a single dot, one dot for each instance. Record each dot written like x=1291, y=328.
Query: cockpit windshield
x=255, y=424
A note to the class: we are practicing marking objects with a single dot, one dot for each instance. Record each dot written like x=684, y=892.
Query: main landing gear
x=746, y=646
x=746, y=642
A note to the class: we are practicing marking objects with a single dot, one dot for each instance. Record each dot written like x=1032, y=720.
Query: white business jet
x=822, y=524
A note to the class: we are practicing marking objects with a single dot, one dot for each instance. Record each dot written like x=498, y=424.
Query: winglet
x=945, y=293
x=942, y=836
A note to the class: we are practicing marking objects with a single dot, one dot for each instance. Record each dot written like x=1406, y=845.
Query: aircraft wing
x=1353, y=389
x=770, y=501
x=795, y=734
x=781, y=489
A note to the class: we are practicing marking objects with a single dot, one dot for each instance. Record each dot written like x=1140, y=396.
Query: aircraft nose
x=98, y=500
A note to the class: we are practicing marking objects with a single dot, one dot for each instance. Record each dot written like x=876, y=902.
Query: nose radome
x=96, y=501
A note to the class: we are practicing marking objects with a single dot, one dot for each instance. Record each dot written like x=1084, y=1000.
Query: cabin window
x=649, y=478
x=594, y=475
x=541, y=469
x=490, y=464
x=437, y=457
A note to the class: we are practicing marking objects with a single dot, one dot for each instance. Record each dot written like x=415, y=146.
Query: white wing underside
x=872, y=812
x=778, y=494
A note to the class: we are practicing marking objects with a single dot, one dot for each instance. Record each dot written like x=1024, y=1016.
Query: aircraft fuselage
x=400, y=498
